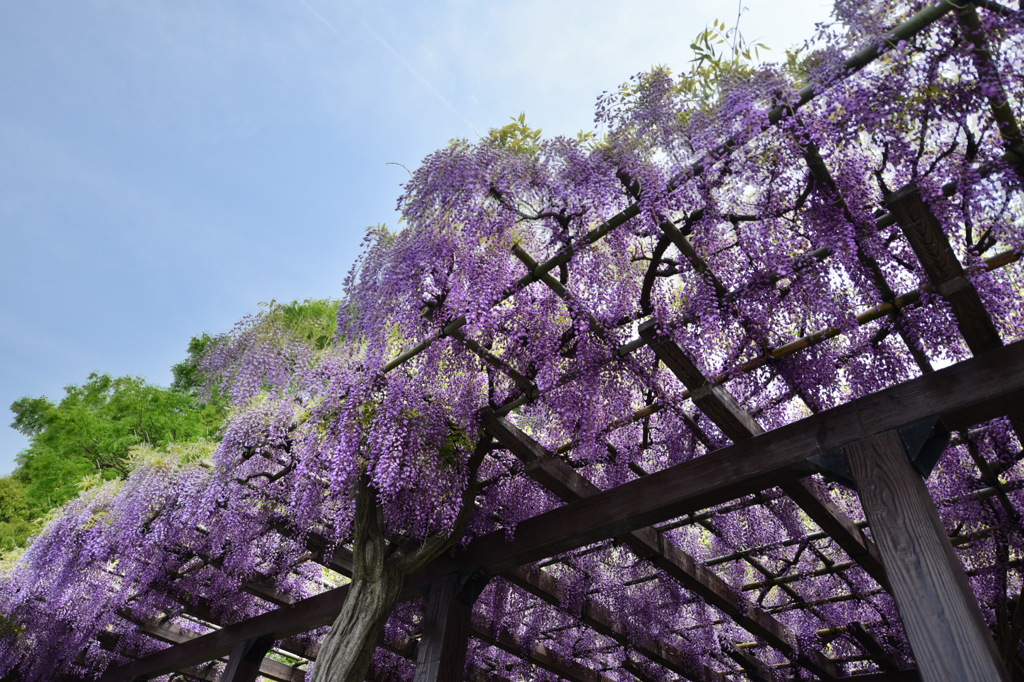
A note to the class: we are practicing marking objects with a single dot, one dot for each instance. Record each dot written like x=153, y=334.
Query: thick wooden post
x=943, y=621
x=442, y=653
x=246, y=657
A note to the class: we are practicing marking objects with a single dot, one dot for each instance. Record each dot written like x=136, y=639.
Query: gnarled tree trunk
x=378, y=576
x=347, y=651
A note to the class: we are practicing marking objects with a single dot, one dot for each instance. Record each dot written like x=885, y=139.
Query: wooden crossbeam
x=646, y=542
x=246, y=661
x=878, y=654
x=544, y=587
x=561, y=479
x=995, y=93
x=595, y=615
x=275, y=670
x=906, y=30
x=200, y=610
x=302, y=616
x=538, y=654
x=755, y=668
x=973, y=391
x=819, y=171
x=899, y=676
x=739, y=425
x=944, y=270
x=434, y=660
x=965, y=394
x=556, y=475
x=111, y=641
x=924, y=232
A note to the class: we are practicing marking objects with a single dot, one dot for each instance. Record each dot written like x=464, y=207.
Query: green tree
x=92, y=429
x=91, y=432
x=187, y=373
x=16, y=515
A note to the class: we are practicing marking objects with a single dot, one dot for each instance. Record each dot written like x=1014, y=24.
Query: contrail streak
x=402, y=60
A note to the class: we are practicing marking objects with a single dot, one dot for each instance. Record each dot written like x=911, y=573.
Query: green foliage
x=313, y=320
x=187, y=377
x=16, y=515
x=101, y=419
x=705, y=52
x=106, y=426
x=517, y=136
x=720, y=56
x=89, y=435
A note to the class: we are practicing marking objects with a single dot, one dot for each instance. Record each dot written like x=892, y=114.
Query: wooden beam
x=819, y=171
x=442, y=650
x=111, y=641
x=913, y=25
x=900, y=676
x=200, y=609
x=538, y=654
x=972, y=391
x=880, y=656
x=985, y=66
x=563, y=480
x=274, y=670
x=735, y=422
x=943, y=621
x=595, y=615
x=246, y=660
x=945, y=272
x=755, y=668
x=302, y=616
x=924, y=232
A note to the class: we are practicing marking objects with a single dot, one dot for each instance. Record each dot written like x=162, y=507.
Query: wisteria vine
x=750, y=221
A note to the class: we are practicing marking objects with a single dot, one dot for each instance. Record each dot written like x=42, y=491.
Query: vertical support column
x=943, y=621
x=246, y=657
x=442, y=653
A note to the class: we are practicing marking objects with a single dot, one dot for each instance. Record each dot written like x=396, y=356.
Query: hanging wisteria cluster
x=755, y=222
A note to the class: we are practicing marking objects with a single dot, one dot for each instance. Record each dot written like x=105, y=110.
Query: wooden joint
x=953, y=286
x=834, y=466
x=925, y=441
x=470, y=585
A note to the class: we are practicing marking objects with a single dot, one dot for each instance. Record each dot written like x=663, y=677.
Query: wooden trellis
x=880, y=445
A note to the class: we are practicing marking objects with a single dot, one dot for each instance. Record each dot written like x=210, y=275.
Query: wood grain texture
x=442, y=651
x=942, y=618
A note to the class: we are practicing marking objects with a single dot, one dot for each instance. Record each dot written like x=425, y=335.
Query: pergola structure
x=882, y=442
x=879, y=449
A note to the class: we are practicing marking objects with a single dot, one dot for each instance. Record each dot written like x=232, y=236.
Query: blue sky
x=165, y=165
